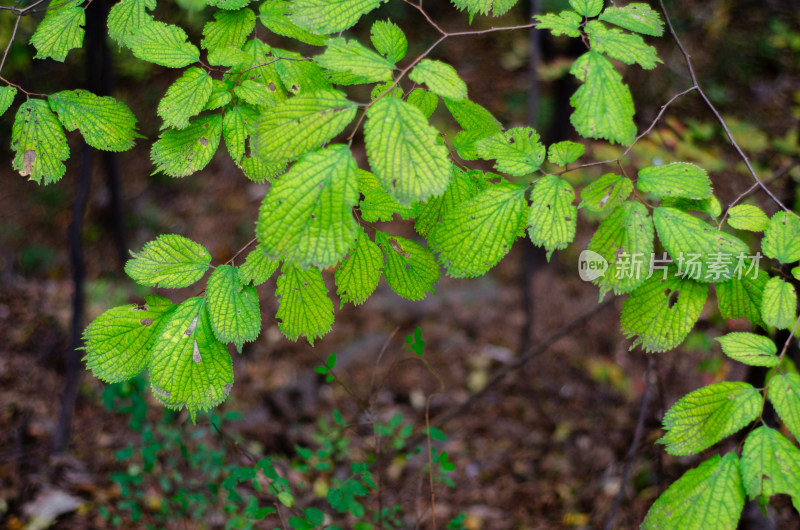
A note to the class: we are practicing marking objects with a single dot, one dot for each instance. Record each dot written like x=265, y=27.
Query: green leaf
x=7, y=94
x=625, y=240
x=60, y=31
x=299, y=75
x=377, y=205
x=742, y=296
x=275, y=16
x=220, y=95
x=40, y=143
x=779, y=304
x=709, y=205
x=605, y=193
x=749, y=348
x=228, y=29
x=181, y=152
x=704, y=417
x=782, y=238
x=259, y=171
x=126, y=16
x=330, y=16
x=662, y=312
x=466, y=142
x=680, y=179
x=564, y=153
x=162, y=44
x=104, y=122
x=637, y=17
x=784, y=394
x=185, y=98
x=305, y=308
x=626, y=47
x=702, y=252
x=306, y=217
x=233, y=307
x=389, y=40
x=410, y=269
x=301, y=124
x=464, y=185
x=403, y=151
x=358, y=275
x=552, y=218
x=472, y=116
x=565, y=23
x=169, y=261
x=518, y=151
x=228, y=4
x=190, y=367
x=474, y=237
x=485, y=7
x=256, y=63
x=710, y=497
x=603, y=104
x=257, y=267
x=587, y=8
x=441, y=79
x=770, y=464
x=424, y=101
x=356, y=59
x=748, y=217
x=234, y=129
x=118, y=342
x=258, y=94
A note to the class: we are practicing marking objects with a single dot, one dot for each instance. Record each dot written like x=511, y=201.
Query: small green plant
x=173, y=474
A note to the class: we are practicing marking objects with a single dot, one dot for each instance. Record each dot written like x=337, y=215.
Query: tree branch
x=716, y=113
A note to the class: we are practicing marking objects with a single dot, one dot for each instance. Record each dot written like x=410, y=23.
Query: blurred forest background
x=545, y=446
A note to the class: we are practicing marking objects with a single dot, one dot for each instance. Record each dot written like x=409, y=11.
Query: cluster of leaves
x=187, y=478
x=280, y=115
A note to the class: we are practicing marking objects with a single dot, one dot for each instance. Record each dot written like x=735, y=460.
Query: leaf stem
x=777, y=366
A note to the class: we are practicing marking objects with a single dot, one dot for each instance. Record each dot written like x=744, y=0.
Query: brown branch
x=716, y=113
x=637, y=437
x=239, y=252
x=778, y=174
x=10, y=42
x=647, y=131
x=524, y=358
x=444, y=35
x=777, y=366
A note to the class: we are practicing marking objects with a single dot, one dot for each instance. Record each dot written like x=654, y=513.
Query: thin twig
x=524, y=358
x=637, y=437
x=778, y=174
x=10, y=42
x=647, y=131
x=239, y=252
x=716, y=113
x=444, y=35
x=378, y=360
x=24, y=10
x=777, y=367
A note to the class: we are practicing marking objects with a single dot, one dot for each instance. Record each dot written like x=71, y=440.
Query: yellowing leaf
x=403, y=151
x=189, y=366
x=60, y=31
x=39, y=141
